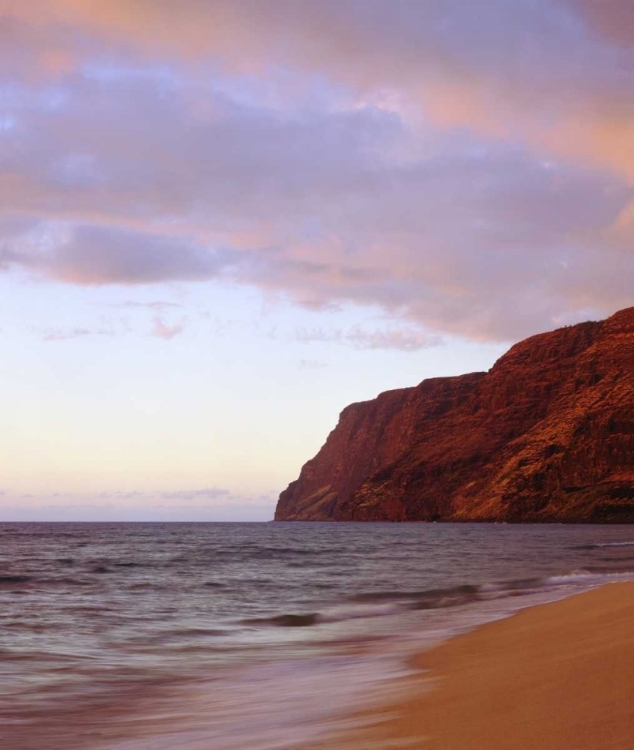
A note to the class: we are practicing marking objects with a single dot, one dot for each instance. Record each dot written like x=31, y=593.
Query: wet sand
x=556, y=677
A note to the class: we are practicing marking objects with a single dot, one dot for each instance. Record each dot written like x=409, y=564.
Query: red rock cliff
x=546, y=435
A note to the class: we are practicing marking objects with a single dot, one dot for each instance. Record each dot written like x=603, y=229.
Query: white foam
x=586, y=577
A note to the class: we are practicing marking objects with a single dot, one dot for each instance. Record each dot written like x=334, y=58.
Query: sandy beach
x=555, y=677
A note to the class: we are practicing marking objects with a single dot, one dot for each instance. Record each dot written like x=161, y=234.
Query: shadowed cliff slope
x=546, y=435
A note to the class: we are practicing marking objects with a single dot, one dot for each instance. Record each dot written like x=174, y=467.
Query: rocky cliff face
x=546, y=435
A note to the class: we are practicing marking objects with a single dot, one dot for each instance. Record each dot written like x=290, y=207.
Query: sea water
x=252, y=636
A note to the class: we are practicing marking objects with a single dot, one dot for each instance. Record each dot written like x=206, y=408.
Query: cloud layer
x=469, y=167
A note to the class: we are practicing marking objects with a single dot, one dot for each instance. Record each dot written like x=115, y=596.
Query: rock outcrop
x=546, y=435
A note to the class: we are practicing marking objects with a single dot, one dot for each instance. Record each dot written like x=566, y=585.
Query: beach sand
x=555, y=677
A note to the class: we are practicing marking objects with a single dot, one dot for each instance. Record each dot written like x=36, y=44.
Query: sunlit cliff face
x=205, y=200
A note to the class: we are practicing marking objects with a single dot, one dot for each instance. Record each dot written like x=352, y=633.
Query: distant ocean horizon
x=149, y=636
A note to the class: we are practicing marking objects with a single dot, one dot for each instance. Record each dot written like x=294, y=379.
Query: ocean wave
x=8, y=580
x=386, y=603
x=601, y=545
x=100, y=569
x=285, y=621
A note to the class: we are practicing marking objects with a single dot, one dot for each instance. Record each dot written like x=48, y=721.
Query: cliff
x=546, y=435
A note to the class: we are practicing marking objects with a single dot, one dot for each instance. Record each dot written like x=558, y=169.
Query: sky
x=221, y=221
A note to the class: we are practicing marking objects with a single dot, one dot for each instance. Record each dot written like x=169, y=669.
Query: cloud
x=57, y=334
x=312, y=364
x=205, y=493
x=332, y=209
x=96, y=255
x=406, y=340
x=467, y=167
x=544, y=68
x=122, y=495
x=156, y=305
x=237, y=510
x=167, y=331
x=614, y=18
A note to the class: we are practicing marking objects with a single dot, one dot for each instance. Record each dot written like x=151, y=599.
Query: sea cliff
x=546, y=435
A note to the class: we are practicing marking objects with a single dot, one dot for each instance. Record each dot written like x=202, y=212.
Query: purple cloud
x=467, y=167
x=96, y=255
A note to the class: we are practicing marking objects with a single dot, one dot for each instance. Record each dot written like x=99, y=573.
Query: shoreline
x=556, y=676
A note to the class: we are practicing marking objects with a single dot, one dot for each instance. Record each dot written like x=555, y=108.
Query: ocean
x=252, y=636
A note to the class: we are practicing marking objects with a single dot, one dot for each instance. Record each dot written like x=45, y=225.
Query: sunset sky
x=221, y=221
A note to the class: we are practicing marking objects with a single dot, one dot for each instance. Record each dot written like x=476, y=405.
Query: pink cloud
x=613, y=18
x=543, y=69
x=163, y=330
